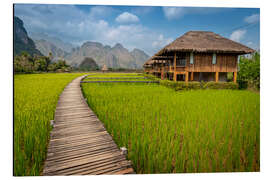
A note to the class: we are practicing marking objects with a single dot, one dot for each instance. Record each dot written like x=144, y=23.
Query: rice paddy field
x=169, y=131
x=165, y=131
x=35, y=99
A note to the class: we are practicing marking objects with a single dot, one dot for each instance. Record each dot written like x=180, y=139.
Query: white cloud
x=161, y=41
x=238, y=35
x=127, y=17
x=252, y=19
x=173, y=12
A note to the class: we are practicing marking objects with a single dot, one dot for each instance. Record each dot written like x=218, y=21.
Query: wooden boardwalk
x=79, y=144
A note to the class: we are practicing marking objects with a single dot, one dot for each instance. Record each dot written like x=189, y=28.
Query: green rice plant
x=168, y=131
x=116, y=75
x=35, y=99
x=116, y=79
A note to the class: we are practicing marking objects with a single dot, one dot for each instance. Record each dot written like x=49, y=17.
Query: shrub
x=187, y=86
x=152, y=77
x=220, y=85
x=180, y=85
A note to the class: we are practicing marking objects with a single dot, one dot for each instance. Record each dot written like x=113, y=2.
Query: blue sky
x=145, y=27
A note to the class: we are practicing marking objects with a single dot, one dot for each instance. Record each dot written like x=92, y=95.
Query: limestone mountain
x=46, y=47
x=139, y=55
x=115, y=57
x=56, y=41
x=22, y=42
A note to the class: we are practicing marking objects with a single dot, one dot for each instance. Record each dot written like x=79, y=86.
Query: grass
x=115, y=75
x=35, y=99
x=175, y=132
x=125, y=79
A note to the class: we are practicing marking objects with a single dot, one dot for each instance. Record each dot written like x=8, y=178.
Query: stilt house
x=197, y=56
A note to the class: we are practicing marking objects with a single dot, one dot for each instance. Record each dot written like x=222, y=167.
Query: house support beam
x=186, y=76
x=174, y=69
x=175, y=76
x=234, y=77
x=162, y=73
x=217, y=73
x=191, y=76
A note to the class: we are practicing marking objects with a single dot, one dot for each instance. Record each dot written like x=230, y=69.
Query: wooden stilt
x=217, y=76
x=234, y=77
x=174, y=69
x=175, y=76
x=162, y=73
x=186, y=76
x=191, y=76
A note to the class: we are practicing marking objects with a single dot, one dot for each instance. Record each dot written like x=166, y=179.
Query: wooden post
x=217, y=76
x=162, y=73
x=191, y=77
x=234, y=77
x=174, y=69
x=186, y=76
x=175, y=76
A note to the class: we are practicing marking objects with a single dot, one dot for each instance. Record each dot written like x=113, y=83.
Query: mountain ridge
x=116, y=56
x=46, y=47
x=22, y=42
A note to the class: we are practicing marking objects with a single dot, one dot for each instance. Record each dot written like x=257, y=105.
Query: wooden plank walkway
x=79, y=144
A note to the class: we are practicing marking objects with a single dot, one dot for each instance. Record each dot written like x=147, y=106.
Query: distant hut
x=104, y=68
x=197, y=55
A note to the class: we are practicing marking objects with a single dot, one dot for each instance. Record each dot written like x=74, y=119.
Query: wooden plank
x=85, y=169
x=75, y=169
x=56, y=153
x=88, y=159
x=125, y=171
x=82, y=154
x=79, y=142
x=110, y=167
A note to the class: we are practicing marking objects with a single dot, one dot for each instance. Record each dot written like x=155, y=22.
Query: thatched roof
x=153, y=60
x=204, y=41
x=147, y=63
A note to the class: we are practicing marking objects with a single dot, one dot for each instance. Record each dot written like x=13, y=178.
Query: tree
x=40, y=64
x=249, y=72
x=88, y=64
x=28, y=64
x=23, y=63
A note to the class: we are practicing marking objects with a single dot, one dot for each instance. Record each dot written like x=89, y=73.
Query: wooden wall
x=203, y=63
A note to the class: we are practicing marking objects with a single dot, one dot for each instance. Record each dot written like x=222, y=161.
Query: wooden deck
x=79, y=144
